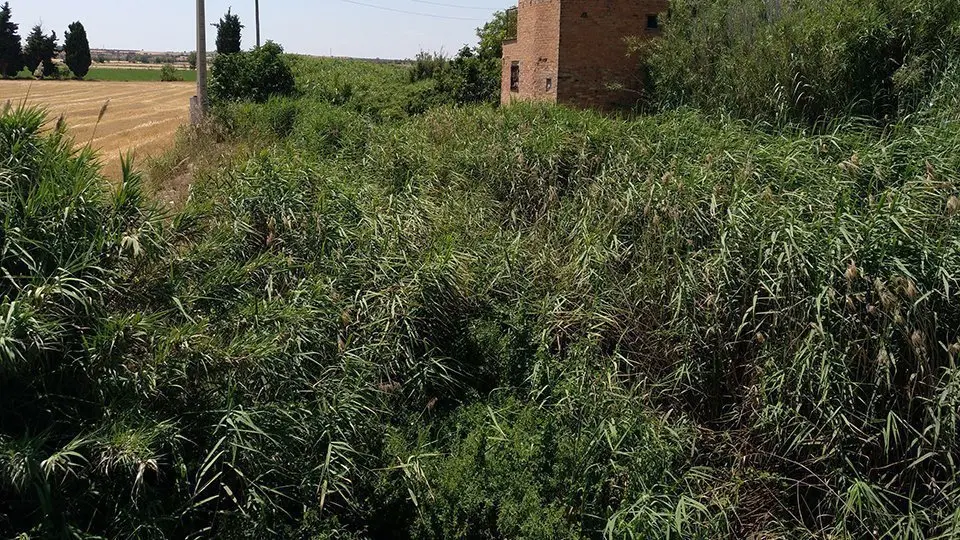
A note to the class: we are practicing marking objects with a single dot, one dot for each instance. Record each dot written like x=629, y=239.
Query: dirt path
x=142, y=117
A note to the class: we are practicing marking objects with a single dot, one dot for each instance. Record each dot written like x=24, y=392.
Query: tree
x=192, y=59
x=473, y=78
x=40, y=50
x=11, y=54
x=77, y=49
x=228, y=34
x=492, y=35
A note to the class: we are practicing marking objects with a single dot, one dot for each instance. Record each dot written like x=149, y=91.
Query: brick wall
x=580, y=47
x=594, y=53
x=537, y=49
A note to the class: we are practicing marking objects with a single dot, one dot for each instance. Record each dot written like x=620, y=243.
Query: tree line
x=36, y=54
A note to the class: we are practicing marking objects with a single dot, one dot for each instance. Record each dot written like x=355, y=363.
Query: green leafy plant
x=168, y=73
x=251, y=76
x=803, y=61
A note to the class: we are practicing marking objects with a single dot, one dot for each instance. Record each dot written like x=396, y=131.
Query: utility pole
x=257, y=5
x=198, y=105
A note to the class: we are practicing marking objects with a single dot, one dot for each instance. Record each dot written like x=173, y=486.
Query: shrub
x=473, y=78
x=168, y=73
x=427, y=66
x=469, y=78
x=251, y=76
x=803, y=61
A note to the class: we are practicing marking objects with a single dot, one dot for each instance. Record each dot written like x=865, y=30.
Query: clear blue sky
x=322, y=27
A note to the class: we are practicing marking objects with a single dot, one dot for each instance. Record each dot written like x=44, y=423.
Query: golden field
x=141, y=118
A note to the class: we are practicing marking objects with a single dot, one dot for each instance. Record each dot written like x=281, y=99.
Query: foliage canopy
x=251, y=76
x=11, y=53
x=228, y=33
x=77, y=49
x=39, y=50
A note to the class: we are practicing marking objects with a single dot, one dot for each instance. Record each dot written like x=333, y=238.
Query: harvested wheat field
x=142, y=117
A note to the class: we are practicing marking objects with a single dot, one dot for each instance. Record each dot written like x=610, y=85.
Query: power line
x=384, y=8
x=453, y=5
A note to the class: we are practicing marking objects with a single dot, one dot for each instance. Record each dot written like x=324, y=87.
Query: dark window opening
x=549, y=84
x=515, y=77
x=653, y=22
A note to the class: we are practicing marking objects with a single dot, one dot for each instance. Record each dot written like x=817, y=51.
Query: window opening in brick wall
x=549, y=84
x=515, y=77
x=653, y=22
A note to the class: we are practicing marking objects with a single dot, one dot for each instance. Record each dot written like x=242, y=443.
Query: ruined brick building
x=575, y=51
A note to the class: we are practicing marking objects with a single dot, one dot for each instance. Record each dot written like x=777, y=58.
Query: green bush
x=251, y=76
x=803, y=61
x=468, y=78
x=427, y=66
x=168, y=73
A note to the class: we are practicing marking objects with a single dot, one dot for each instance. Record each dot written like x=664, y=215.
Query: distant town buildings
x=575, y=52
x=142, y=57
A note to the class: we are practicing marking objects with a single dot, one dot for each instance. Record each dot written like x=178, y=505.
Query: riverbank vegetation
x=380, y=316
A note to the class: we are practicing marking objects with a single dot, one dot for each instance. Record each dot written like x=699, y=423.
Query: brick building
x=575, y=51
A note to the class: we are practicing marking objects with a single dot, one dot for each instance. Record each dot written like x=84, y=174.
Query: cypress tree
x=77, y=49
x=40, y=50
x=228, y=33
x=11, y=54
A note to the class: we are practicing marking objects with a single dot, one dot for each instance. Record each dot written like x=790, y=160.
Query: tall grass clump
x=71, y=250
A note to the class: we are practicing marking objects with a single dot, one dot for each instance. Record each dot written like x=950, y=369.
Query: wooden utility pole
x=257, y=5
x=198, y=106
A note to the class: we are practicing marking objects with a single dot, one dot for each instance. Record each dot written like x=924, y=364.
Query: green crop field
x=134, y=75
x=125, y=75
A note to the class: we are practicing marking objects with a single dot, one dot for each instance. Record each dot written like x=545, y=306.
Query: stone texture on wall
x=575, y=51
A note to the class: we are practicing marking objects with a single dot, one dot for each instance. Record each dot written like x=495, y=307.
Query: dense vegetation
x=76, y=49
x=251, y=75
x=473, y=75
x=380, y=315
x=805, y=60
x=229, y=32
x=11, y=50
x=39, y=50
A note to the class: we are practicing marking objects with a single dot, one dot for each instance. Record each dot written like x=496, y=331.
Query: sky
x=360, y=28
